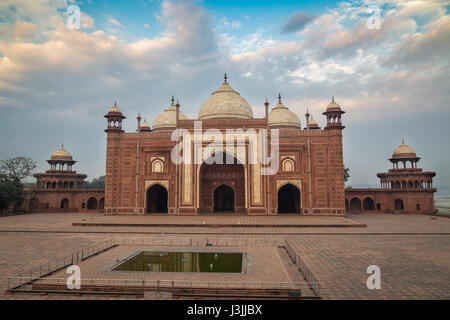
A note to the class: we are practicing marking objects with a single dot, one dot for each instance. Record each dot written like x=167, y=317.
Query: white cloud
x=87, y=22
x=235, y=24
x=115, y=22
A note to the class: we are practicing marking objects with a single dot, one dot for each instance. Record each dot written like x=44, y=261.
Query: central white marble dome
x=225, y=103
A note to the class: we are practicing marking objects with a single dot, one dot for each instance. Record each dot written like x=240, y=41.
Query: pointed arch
x=92, y=203
x=157, y=199
x=355, y=205
x=224, y=199
x=289, y=199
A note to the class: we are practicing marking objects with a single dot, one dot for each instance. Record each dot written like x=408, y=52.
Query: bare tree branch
x=17, y=168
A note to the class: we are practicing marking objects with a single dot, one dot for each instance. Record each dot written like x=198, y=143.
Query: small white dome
x=313, y=122
x=282, y=116
x=145, y=126
x=168, y=119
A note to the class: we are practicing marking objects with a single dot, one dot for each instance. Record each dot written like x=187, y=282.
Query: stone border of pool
x=243, y=265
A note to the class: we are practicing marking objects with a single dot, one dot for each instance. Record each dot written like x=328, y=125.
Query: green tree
x=10, y=192
x=346, y=174
x=97, y=183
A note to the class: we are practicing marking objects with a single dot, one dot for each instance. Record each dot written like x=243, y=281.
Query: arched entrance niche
x=368, y=204
x=398, y=204
x=33, y=204
x=157, y=199
x=65, y=203
x=355, y=205
x=288, y=199
x=92, y=203
x=224, y=199
x=219, y=182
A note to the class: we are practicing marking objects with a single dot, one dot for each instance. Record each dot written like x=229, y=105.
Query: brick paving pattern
x=412, y=251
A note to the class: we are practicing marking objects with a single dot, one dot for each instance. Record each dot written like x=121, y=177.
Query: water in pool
x=163, y=261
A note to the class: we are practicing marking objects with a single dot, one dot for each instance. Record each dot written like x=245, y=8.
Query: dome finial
x=173, y=100
x=279, y=97
x=403, y=141
x=225, y=78
x=62, y=146
x=332, y=98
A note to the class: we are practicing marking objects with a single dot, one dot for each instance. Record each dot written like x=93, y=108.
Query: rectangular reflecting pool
x=164, y=261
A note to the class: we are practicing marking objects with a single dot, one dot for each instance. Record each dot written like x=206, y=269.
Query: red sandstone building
x=404, y=189
x=142, y=179
x=60, y=188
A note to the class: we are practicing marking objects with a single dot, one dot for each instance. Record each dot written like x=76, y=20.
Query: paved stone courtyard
x=412, y=251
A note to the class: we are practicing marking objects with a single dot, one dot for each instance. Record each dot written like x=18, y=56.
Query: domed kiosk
x=404, y=154
x=406, y=189
x=61, y=188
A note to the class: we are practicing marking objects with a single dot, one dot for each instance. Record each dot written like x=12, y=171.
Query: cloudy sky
x=393, y=81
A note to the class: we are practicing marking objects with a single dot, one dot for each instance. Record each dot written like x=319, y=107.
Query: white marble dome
x=168, y=119
x=225, y=103
x=282, y=116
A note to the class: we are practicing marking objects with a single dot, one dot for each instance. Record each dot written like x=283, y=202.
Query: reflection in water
x=183, y=262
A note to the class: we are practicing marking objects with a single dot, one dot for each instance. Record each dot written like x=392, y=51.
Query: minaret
x=266, y=110
x=138, y=119
x=307, y=115
x=114, y=133
x=267, y=177
x=333, y=130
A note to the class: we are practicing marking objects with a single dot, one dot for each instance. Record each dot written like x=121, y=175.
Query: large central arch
x=157, y=199
x=228, y=179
